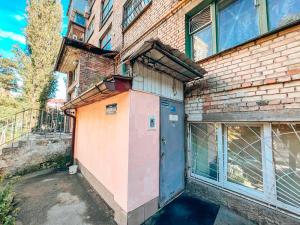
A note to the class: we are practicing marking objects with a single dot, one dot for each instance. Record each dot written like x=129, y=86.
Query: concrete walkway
x=60, y=199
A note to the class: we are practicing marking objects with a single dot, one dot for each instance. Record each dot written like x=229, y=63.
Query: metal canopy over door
x=172, y=160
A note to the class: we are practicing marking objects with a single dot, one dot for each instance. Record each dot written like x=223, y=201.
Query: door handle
x=163, y=140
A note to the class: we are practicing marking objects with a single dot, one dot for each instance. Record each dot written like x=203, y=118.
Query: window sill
x=282, y=210
x=275, y=31
x=136, y=18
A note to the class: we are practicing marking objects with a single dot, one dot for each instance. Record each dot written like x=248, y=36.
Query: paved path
x=60, y=199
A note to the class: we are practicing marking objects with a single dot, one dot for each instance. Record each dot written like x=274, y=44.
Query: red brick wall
x=261, y=75
x=93, y=68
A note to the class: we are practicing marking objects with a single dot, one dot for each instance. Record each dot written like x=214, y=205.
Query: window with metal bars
x=260, y=160
x=132, y=9
x=107, y=6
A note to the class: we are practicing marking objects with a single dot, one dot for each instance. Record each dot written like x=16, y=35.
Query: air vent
x=200, y=20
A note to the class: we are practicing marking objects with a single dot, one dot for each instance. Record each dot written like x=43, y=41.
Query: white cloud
x=19, y=17
x=6, y=54
x=13, y=36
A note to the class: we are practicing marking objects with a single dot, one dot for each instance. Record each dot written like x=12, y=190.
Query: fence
x=32, y=121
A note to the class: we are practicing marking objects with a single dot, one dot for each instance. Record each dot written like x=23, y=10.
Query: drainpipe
x=73, y=135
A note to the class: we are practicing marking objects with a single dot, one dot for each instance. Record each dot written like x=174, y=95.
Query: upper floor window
x=227, y=23
x=201, y=31
x=282, y=12
x=107, y=6
x=79, y=19
x=238, y=22
x=105, y=41
x=90, y=29
x=132, y=9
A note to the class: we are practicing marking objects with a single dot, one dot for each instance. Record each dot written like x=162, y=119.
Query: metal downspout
x=73, y=135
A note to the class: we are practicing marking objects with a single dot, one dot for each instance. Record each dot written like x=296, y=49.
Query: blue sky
x=12, y=24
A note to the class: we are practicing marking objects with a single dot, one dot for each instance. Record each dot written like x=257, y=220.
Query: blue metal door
x=172, y=159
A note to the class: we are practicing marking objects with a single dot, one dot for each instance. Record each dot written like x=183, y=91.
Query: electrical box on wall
x=111, y=109
x=151, y=123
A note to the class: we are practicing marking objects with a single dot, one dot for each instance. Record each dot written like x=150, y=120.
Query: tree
x=8, y=78
x=43, y=38
x=8, y=87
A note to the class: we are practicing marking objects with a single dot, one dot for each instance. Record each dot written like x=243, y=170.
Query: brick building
x=242, y=116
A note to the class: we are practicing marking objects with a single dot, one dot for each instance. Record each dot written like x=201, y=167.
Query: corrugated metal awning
x=109, y=87
x=164, y=58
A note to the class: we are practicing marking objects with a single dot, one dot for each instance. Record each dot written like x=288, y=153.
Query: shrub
x=8, y=211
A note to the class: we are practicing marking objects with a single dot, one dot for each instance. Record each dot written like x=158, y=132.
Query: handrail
x=30, y=121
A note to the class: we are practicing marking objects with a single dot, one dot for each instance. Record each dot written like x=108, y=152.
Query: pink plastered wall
x=120, y=150
x=143, y=183
x=102, y=144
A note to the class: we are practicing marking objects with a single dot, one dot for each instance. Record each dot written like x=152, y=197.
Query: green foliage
x=34, y=66
x=9, y=104
x=8, y=211
x=8, y=78
x=57, y=161
x=43, y=38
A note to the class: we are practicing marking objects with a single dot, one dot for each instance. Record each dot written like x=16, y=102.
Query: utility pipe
x=73, y=135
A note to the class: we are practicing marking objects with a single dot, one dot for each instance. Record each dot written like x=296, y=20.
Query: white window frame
x=269, y=194
x=259, y=195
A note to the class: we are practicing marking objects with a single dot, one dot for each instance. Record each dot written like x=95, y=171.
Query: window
x=132, y=9
x=261, y=161
x=244, y=161
x=238, y=22
x=223, y=24
x=282, y=12
x=79, y=19
x=286, y=151
x=90, y=29
x=201, y=31
x=105, y=41
x=204, y=150
x=107, y=6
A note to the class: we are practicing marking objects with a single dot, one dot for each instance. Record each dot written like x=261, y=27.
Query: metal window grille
x=132, y=9
x=261, y=161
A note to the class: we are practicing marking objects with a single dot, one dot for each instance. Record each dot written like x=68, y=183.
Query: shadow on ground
x=185, y=210
x=189, y=210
